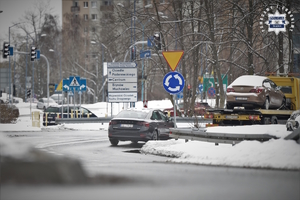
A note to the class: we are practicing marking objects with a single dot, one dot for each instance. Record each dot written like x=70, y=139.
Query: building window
x=93, y=29
x=75, y=3
x=94, y=17
x=85, y=4
x=162, y=1
x=94, y=4
x=148, y=2
x=107, y=3
x=86, y=17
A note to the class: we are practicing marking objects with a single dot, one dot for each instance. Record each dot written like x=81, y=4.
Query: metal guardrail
x=229, y=138
x=82, y=120
x=191, y=120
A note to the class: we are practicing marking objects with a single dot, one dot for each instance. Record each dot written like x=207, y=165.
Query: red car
x=199, y=109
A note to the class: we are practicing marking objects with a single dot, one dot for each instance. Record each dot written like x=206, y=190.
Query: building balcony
x=75, y=9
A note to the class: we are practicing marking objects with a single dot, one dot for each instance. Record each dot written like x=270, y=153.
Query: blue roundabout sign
x=173, y=82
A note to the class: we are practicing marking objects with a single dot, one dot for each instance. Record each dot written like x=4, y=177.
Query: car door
x=166, y=124
x=157, y=121
x=277, y=95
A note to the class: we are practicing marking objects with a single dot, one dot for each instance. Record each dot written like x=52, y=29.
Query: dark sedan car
x=254, y=91
x=53, y=112
x=139, y=125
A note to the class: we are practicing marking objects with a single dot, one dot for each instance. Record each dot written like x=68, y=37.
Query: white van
x=59, y=98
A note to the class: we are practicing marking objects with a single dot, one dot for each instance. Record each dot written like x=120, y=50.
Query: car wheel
x=114, y=142
x=155, y=135
x=267, y=104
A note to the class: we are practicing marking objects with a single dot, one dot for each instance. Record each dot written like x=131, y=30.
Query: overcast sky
x=13, y=10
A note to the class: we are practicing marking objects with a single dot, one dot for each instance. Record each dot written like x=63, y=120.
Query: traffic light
x=133, y=54
x=28, y=93
x=33, y=53
x=5, y=50
x=156, y=39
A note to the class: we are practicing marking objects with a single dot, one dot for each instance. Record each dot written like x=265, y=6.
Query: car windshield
x=133, y=114
x=248, y=80
x=52, y=109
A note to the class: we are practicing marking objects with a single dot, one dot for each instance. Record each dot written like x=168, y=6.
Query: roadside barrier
x=228, y=138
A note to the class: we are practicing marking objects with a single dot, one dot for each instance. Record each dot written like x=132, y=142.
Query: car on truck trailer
x=289, y=85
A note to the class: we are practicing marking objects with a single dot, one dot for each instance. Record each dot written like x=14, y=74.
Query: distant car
x=59, y=98
x=139, y=125
x=52, y=112
x=43, y=103
x=254, y=92
x=32, y=100
x=294, y=121
x=199, y=109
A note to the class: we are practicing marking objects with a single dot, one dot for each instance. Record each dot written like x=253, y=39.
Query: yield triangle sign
x=172, y=58
x=74, y=82
x=59, y=87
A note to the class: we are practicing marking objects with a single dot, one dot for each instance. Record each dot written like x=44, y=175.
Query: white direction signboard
x=122, y=87
x=122, y=81
x=119, y=72
x=122, y=97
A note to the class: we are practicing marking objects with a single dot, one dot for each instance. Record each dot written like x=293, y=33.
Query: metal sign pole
x=174, y=98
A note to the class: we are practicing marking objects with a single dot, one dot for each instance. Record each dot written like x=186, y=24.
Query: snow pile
x=276, y=154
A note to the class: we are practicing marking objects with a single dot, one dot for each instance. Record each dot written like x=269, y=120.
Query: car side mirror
x=169, y=119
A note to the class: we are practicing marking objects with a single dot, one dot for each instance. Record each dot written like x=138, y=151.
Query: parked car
x=52, y=112
x=59, y=98
x=254, y=92
x=43, y=103
x=139, y=125
x=294, y=121
x=199, y=109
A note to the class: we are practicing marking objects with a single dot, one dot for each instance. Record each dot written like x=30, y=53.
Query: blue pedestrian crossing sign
x=173, y=82
x=74, y=82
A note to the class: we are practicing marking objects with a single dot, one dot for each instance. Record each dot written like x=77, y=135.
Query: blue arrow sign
x=145, y=54
x=200, y=88
x=82, y=86
x=173, y=82
x=65, y=85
